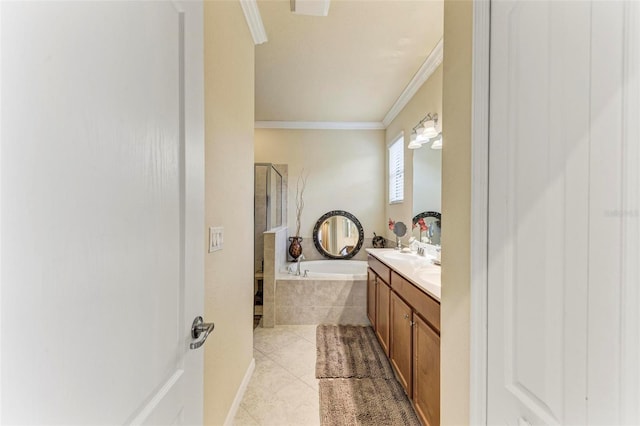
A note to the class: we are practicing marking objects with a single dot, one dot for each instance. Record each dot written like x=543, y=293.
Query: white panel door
x=101, y=256
x=561, y=190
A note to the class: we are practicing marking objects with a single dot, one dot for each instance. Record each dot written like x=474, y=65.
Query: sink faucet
x=299, y=260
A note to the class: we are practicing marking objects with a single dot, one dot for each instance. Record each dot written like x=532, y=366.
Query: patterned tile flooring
x=283, y=389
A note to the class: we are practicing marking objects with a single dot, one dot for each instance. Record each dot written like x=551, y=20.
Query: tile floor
x=283, y=389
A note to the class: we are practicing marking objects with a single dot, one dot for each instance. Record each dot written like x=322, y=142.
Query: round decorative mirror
x=427, y=227
x=338, y=235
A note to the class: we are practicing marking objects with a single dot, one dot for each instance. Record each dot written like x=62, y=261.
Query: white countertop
x=419, y=270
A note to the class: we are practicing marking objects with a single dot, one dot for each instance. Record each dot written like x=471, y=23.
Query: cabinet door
x=426, y=372
x=401, y=322
x=382, y=314
x=371, y=297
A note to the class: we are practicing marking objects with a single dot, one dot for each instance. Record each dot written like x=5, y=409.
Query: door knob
x=197, y=328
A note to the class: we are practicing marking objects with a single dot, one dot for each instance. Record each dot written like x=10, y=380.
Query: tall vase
x=295, y=248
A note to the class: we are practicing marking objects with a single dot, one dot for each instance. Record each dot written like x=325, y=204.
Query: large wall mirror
x=427, y=227
x=338, y=235
x=427, y=180
x=427, y=193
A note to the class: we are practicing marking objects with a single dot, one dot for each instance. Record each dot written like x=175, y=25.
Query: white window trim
x=398, y=139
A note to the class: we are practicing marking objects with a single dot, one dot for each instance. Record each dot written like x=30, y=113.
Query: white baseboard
x=240, y=394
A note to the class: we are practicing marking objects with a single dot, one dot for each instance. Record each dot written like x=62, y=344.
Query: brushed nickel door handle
x=197, y=328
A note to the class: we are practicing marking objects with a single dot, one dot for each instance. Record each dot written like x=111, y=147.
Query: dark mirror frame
x=349, y=216
x=419, y=216
x=426, y=214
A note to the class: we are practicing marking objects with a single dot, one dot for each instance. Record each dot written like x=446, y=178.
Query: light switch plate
x=216, y=238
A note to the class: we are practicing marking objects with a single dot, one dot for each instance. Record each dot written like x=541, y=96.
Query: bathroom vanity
x=403, y=306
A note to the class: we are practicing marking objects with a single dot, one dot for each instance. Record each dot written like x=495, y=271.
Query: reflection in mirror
x=427, y=180
x=338, y=235
x=427, y=227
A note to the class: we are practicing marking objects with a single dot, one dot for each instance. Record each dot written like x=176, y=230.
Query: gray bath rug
x=374, y=402
x=345, y=351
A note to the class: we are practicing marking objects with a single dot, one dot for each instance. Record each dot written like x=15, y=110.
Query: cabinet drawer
x=424, y=305
x=379, y=268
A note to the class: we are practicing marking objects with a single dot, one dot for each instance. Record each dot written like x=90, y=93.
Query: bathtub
x=334, y=292
x=327, y=269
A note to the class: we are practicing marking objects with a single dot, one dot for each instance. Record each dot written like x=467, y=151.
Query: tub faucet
x=299, y=260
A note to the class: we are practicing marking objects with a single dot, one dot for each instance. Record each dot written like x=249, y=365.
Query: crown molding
x=428, y=67
x=321, y=125
x=254, y=20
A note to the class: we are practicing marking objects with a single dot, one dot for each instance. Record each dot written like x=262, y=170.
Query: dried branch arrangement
x=300, y=186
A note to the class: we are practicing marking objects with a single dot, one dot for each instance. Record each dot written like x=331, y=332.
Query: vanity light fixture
x=414, y=143
x=426, y=129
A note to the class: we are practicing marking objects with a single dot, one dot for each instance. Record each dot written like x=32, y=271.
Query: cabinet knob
x=406, y=316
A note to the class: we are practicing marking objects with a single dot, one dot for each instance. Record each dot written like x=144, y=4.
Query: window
x=396, y=170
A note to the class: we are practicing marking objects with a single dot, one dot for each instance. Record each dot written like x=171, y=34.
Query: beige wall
x=345, y=168
x=229, y=106
x=456, y=212
x=427, y=99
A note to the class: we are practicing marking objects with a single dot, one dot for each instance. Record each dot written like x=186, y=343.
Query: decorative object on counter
x=378, y=241
x=400, y=230
x=295, y=246
x=300, y=187
x=338, y=235
x=429, y=228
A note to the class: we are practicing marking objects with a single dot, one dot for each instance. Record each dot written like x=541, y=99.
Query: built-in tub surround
x=335, y=292
x=275, y=257
x=329, y=269
x=419, y=270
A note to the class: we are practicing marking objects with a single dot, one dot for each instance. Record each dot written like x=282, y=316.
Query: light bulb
x=437, y=144
x=414, y=144
x=430, y=129
x=422, y=138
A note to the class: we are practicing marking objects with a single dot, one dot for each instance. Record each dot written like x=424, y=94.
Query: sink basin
x=397, y=255
x=431, y=275
x=407, y=257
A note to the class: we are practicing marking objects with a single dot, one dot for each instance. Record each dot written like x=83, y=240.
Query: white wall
x=345, y=172
x=229, y=99
x=456, y=212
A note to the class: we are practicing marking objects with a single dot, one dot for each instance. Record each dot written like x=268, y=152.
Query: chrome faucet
x=299, y=260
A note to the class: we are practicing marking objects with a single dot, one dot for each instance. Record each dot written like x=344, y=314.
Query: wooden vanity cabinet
x=378, y=294
x=383, y=293
x=407, y=323
x=426, y=372
x=423, y=347
x=400, y=342
x=371, y=296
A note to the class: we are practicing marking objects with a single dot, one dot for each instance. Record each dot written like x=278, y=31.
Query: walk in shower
x=270, y=211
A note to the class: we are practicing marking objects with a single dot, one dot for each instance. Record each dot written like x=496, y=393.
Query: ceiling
x=350, y=66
